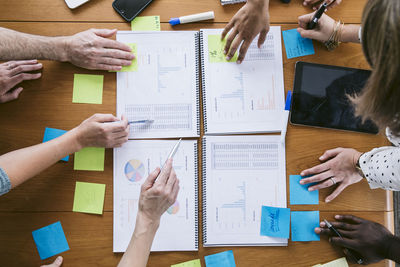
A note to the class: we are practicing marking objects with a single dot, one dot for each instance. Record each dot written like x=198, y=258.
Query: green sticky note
x=193, y=263
x=134, y=65
x=146, y=23
x=216, y=50
x=88, y=89
x=89, y=197
x=90, y=159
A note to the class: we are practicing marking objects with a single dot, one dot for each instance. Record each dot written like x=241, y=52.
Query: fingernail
x=302, y=174
x=327, y=200
x=301, y=182
x=310, y=189
x=322, y=224
x=238, y=61
x=40, y=64
x=227, y=58
x=337, y=216
x=225, y=52
x=330, y=239
x=321, y=158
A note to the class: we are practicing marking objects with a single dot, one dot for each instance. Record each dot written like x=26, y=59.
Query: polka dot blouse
x=381, y=166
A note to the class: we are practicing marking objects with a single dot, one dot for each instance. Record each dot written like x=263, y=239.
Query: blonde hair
x=380, y=99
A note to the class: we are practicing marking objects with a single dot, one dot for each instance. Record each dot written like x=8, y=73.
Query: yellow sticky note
x=89, y=197
x=193, y=263
x=90, y=159
x=88, y=89
x=134, y=65
x=146, y=23
x=341, y=262
x=216, y=50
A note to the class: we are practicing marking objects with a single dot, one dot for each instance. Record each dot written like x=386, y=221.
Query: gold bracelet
x=333, y=41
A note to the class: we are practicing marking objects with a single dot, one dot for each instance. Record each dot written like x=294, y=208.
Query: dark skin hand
x=371, y=240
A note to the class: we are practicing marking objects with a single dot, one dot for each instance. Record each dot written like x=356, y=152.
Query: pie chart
x=134, y=170
x=174, y=208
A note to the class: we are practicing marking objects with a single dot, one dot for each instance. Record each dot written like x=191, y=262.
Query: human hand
x=102, y=130
x=157, y=195
x=321, y=32
x=338, y=167
x=316, y=3
x=250, y=20
x=13, y=73
x=370, y=240
x=57, y=262
x=92, y=50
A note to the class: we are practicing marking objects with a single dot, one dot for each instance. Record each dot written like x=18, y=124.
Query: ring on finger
x=333, y=180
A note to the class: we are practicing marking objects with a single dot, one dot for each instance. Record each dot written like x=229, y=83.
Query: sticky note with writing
x=146, y=23
x=89, y=159
x=299, y=194
x=225, y=259
x=193, y=263
x=88, y=89
x=275, y=222
x=50, y=134
x=216, y=50
x=295, y=45
x=89, y=197
x=303, y=225
x=50, y=240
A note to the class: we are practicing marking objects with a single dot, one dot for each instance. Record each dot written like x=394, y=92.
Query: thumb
x=305, y=19
x=262, y=37
x=56, y=263
x=104, y=32
x=11, y=95
x=151, y=178
x=310, y=34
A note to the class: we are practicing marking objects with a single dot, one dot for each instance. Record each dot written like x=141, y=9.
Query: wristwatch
x=358, y=168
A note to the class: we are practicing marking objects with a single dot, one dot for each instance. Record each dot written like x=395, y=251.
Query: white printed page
x=132, y=164
x=246, y=97
x=241, y=174
x=163, y=87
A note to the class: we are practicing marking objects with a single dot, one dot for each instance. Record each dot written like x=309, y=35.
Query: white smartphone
x=75, y=3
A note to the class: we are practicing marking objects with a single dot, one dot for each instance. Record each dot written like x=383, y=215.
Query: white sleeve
x=381, y=166
x=359, y=34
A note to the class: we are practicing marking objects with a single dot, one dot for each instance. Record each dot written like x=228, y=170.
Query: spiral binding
x=196, y=195
x=204, y=189
x=197, y=81
x=203, y=82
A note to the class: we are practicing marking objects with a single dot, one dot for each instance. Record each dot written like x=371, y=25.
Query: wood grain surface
x=47, y=102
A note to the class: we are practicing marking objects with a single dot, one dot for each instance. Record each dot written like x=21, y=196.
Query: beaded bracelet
x=333, y=41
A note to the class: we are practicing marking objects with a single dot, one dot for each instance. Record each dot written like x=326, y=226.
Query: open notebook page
x=247, y=97
x=132, y=164
x=240, y=175
x=163, y=86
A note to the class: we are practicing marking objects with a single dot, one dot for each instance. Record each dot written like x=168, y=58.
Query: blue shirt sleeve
x=5, y=184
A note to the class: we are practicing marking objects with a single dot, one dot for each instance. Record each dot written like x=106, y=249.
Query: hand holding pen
x=364, y=241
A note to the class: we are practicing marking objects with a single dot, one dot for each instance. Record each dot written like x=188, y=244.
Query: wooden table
x=48, y=103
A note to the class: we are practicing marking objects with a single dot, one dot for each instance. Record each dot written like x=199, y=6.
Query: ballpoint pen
x=314, y=21
x=172, y=153
x=334, y=231
x=141, y=121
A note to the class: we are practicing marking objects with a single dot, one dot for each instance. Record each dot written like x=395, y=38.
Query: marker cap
x=288, y=100
x=174, y=21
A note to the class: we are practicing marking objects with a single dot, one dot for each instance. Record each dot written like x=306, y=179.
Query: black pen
x=314, y=21
x=334, y=231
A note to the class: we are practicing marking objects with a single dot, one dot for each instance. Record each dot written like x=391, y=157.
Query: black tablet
x=320, y=97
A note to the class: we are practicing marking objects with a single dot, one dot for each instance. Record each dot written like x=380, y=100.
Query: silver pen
x=171, y=154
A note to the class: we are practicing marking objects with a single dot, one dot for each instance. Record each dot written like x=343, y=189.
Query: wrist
x=61, y=46
x=145, y=225
x=392, y=248
x=77, y=143
x=350, y=34
x=263, y=4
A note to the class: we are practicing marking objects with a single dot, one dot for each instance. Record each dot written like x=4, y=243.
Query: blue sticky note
x=299, y=194
x=303, y=224
x=295, y=45
x=50, y=134
x=275, y=222
x=224, y=259
x=50, y=240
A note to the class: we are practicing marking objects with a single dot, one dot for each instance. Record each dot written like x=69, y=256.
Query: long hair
x=380, y=99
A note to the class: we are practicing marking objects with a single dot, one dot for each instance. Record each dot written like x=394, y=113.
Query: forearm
x=350, y=34
x=393, y=252
x=16, y=45
x=37, y=158
x=138, y=251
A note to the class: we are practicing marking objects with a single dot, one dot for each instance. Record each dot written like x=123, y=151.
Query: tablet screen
x=320, y=97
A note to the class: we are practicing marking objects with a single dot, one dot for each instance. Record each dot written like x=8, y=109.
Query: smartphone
x=129, y=9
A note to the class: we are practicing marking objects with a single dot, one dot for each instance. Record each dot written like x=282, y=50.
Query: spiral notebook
x=240, y=175
x=246, y=97
x=161, y=85
x=133, y=162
